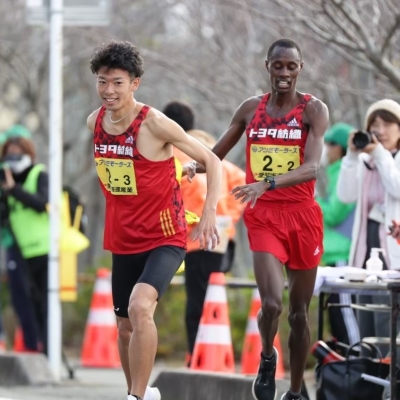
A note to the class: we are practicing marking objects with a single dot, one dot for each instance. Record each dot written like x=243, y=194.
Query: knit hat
x=15, y=131
x=386, y=104
x=339, y=134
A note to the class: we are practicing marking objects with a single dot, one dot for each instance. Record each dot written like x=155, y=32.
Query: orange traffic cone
x=2, y=345
x=252, y=346
x=19, y=345
x=213, y=349
x=280, y=368
x=100, y=341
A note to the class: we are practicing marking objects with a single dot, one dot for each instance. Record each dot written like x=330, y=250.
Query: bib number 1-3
x=117, y=176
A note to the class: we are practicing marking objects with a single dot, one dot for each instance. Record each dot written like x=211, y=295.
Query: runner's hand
x=189, y=170
x=207, y=231
x=250, y=192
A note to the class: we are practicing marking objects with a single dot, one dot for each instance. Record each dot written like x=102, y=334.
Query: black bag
x=341, y=380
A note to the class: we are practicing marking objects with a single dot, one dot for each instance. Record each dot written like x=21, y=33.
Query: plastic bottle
x=374, y=263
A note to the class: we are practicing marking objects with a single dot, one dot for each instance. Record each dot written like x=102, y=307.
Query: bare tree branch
x=392, y=31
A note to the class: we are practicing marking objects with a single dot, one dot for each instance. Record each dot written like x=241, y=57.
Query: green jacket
x=30, y=228
x=338, y=220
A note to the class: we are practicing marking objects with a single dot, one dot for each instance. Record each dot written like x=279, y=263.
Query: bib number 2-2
x=272, y=160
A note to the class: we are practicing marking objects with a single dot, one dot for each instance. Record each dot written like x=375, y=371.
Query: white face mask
x=18, y=166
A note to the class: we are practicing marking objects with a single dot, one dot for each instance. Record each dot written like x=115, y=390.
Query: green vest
x=31, y=228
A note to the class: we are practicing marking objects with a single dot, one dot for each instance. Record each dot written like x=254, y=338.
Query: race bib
x=271, y=160
x=117, y=176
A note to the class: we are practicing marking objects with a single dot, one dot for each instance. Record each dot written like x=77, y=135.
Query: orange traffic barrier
x=100, y=341
x=252, y=346
x=213, y=349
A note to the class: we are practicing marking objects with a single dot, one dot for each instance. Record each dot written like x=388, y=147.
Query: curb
x=21, y=369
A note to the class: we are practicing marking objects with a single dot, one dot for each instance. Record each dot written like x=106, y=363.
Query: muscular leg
x=143, y=343
x=124, y=337
x=301, y=287
x=268, y=271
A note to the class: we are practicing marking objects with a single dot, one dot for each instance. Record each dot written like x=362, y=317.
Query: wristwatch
x=271, y=181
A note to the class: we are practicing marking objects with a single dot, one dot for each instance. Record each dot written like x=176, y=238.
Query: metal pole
x=394, y=302
x=55, y=183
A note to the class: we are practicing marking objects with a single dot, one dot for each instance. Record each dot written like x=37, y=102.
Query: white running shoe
x=150, y=394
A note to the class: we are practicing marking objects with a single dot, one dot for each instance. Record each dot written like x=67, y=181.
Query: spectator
x=338, y=223
x=371, y=178
x=25, y=195
x=200, y=264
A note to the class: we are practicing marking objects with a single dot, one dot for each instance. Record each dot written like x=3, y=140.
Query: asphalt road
x=89, y=384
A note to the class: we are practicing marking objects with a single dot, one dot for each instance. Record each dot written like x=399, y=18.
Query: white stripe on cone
x=102, y=286
x=216, y=294
x=256, y=295
x=214, y=334
x=101, y=317
x=252, y=326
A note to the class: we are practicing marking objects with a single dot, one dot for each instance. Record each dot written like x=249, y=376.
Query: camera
x=362, y=139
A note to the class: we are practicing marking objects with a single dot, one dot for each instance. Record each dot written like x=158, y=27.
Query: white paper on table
x=327, y=273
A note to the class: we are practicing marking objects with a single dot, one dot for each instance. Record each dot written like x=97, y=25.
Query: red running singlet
x=274, y=147
x=144, y=207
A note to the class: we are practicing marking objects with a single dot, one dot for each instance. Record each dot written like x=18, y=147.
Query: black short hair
x=181, y=113
x=118, y=55
x=285, y=43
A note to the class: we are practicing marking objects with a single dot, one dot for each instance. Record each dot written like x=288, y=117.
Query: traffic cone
x=100, y=341
x=280, y=368
x=213, y=349
x=19, y=345
x=252, y=346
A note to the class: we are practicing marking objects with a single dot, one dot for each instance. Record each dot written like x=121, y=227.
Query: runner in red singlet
x=284, y=132
x=145, y=227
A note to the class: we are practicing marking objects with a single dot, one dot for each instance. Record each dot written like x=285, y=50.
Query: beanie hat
x=15, y=131
x=339, y=134
x=386, y=104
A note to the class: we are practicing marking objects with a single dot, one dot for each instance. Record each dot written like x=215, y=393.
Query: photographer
x=370, y=176
x=24, y=190
x=338, y=223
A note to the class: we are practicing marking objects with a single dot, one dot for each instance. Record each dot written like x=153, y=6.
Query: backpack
x=74, y=203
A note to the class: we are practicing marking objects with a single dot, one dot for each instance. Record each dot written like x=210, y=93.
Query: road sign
x=75, y=12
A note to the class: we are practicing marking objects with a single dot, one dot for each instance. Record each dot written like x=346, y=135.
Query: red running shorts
x=293, y=233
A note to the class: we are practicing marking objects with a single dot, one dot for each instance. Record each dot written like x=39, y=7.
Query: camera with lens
x=361, y=139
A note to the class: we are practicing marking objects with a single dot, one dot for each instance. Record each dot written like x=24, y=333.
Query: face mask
x=20, y=165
